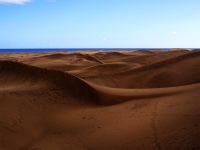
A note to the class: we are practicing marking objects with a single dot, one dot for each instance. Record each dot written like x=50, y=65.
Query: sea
x=39, y=50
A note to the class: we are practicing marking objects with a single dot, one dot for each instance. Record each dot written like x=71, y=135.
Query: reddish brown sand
x=100, y=100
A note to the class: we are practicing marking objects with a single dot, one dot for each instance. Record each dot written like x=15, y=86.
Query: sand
x=100, y=100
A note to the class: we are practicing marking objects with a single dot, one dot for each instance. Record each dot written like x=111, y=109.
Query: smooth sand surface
x=100, y=100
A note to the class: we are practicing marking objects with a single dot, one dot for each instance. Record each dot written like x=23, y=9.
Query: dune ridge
x=54, y=77
x=84, y=88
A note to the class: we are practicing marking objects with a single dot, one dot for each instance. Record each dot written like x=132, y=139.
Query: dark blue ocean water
x=72, y=49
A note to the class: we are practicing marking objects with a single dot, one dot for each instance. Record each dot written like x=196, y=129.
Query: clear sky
x=99, y=23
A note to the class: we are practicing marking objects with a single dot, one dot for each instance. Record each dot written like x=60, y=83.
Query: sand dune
x=177, y=71
x=100, y=69
x=100, y=100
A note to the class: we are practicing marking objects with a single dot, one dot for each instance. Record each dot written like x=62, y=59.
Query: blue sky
x=99, y=23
